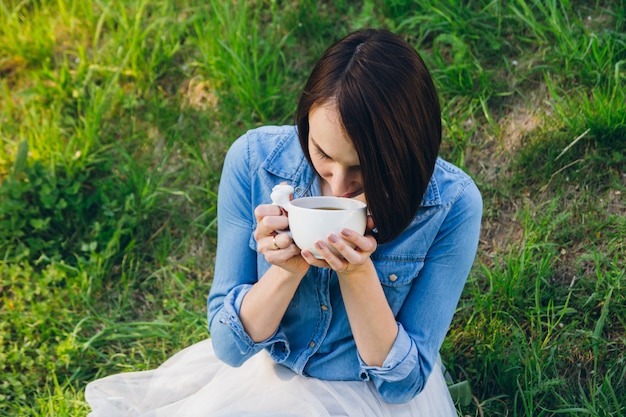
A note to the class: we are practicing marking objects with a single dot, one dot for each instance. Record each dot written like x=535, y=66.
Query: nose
x=342, y=181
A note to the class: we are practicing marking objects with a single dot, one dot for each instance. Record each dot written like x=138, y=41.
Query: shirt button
x=393, y=277
x=312, y=344
x=324, y=307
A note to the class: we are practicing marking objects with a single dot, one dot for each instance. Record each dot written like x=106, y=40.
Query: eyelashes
x=320, y=154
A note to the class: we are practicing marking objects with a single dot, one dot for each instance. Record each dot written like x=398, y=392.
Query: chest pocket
x=397, y=278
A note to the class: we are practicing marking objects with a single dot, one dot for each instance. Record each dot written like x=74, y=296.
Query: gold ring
x=275, y=244
x=346, y=268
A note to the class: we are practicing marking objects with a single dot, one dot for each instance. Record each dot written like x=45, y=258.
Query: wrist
x=293, y=271
x=358, y=271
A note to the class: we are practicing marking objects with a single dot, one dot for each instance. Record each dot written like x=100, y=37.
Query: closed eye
x=320, y=153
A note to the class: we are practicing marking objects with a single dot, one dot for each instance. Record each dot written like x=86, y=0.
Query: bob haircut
x=389, y=109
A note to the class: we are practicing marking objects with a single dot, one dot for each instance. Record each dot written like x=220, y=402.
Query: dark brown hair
x=389, y=109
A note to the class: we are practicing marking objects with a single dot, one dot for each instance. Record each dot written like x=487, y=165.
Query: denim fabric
x=422, y=272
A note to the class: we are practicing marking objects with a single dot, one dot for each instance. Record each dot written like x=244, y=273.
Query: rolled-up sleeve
x=241, y=346
x=399, y=363
x=400, y=377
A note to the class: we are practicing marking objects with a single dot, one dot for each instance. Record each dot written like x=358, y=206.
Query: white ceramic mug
x=312, y=219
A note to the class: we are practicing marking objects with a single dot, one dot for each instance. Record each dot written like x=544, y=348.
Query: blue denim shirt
x=422, y=272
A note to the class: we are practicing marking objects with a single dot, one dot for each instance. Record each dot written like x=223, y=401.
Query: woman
x=354, y=334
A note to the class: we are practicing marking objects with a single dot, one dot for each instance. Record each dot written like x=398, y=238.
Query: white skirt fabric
x=194, y=383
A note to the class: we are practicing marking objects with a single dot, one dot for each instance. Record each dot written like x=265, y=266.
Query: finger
x=335, y=262
x=370, y=225
x=269, y=225
x=266, y=245
x=355, y=253
x=265, y=210
x=313, y=261
x=348, y=254
x=281, y=241
x=365, y=243
x=266, y=216
x=282, y=256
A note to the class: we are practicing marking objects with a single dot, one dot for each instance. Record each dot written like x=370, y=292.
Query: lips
x=353, y=194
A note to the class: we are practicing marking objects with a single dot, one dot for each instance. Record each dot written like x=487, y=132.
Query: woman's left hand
x=354, y=251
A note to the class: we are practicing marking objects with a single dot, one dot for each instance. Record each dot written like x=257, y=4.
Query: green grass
x=114, y=120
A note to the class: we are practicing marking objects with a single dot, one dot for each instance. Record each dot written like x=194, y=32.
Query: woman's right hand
x=278, y=248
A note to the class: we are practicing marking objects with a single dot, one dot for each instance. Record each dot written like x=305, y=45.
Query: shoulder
x=448, y=184
x=263, y=140
x=269, y=155
x=253, y=148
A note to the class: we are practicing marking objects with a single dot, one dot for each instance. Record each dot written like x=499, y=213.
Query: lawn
x=115, y=116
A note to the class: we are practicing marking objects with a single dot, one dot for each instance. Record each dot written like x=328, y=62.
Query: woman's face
x=333, y=156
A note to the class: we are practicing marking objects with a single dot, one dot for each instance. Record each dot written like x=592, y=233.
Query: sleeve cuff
x=401, y=360
x=229, y=316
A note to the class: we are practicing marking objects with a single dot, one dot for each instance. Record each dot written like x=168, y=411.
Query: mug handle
x=280, y=197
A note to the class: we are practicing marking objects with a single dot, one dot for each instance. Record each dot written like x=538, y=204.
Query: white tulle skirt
x=194, y=383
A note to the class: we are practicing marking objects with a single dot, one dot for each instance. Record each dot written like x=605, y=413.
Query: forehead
x=328, y=135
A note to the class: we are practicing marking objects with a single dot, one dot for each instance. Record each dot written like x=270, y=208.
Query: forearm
x=264, y=306
x=372, y=322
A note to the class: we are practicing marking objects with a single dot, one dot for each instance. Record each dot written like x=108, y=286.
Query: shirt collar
x=432, y=197
x=287, y=161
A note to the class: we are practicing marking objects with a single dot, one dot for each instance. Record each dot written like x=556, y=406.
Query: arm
x=235, y=263
x=427, y=312
x=244, y=313
x=371, y=320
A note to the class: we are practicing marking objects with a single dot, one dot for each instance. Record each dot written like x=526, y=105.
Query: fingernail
x=346, y=232
x=332, y=238
x=319, y=245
